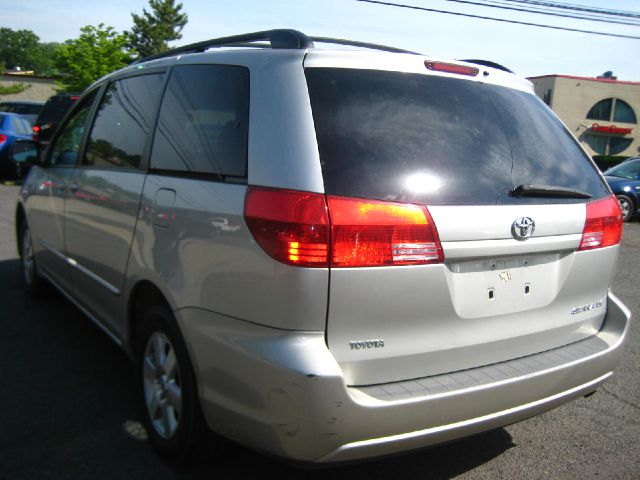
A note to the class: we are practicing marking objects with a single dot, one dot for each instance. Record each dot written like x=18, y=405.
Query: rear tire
x=627, y=206
x=170, y=405
x=31, y=280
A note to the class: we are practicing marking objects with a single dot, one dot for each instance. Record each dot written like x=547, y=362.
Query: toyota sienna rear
x=329, y=255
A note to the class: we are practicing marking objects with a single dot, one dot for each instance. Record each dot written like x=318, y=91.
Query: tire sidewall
x=31, y=287
x=177, y=447
x=632, y=207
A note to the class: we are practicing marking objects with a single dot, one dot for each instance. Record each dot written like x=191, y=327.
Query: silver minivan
x=328, y=254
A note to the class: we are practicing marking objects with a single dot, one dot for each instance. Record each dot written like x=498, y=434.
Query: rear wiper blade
x=547, y=191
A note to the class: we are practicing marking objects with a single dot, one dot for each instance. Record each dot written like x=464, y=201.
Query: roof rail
x=280, y=38
x=352, y=43
x=489, y=63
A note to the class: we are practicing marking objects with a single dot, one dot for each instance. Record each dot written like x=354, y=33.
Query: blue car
x=12, y=127
x=624, y=180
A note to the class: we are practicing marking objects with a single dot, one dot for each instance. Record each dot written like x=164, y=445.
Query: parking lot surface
x=67, y=408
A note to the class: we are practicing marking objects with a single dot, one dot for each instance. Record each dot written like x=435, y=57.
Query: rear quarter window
x=203, y=122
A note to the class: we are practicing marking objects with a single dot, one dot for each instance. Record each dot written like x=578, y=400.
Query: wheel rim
x=625, y=206
x=28, y=261
x=162, y=388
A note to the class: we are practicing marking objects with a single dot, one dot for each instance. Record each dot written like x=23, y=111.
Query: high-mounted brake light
x=451, y=68
x=603, y=225
x=307, y=229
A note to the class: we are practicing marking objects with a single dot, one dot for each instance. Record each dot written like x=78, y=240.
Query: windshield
x=629, y=169
x=441, y=141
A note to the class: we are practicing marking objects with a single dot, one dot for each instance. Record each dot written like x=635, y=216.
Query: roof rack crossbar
x=280, y=38
x=353, y=43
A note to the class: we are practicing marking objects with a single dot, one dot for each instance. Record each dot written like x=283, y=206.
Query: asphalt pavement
x=67, y=408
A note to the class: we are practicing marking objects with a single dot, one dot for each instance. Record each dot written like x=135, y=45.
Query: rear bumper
x=284, y=393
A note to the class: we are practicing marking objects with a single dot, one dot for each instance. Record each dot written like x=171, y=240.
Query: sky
x=528, y=51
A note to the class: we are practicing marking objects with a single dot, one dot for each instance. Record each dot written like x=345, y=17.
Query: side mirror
x=24, y=154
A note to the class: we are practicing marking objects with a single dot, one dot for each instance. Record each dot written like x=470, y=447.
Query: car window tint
x=67, y=143
x=544, y=152
x=438, y=140
x=27, y=109
x=55, y=108
x=203, y=121
x=27, y=126
x=17, y=126
x=626, y=170
x=123, y=121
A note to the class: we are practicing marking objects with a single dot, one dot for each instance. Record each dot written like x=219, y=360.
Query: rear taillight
x=603, y=225
x=294, y=228
x=291, y=226
x=3, y=138
x=367, y=233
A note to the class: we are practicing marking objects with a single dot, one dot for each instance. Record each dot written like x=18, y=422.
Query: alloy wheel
x=162, y=387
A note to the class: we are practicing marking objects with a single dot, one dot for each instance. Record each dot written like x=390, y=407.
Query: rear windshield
x=420, y=138
x=55, y=109
x=28, y=109
x=21, y=108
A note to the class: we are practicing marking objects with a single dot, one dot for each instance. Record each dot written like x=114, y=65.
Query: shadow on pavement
x=67, y=393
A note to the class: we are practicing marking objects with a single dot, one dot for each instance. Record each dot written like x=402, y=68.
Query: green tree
x=152, y=31
x=22, y=48
x=43, y=59
x=96, y=52
x=16, y=47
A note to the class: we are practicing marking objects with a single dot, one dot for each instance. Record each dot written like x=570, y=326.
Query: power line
x=413, y=7
x=541, y=11
x=581, y=8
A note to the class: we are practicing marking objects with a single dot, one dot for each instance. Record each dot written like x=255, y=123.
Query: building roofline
x=591, y=79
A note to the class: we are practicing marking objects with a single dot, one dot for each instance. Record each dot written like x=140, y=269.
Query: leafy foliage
x=15, y=88
x=44, y=59
x=22, y=48
x=152, y=31
x=96, y=52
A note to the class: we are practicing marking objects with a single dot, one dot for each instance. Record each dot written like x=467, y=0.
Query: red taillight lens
x=292, y=227
x=3, y=138
x=36, y=129
x=367, y=233
x=451, y=68
x=603, y=225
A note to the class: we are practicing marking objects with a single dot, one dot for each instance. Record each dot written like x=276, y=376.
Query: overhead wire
x=546, y=11
x=503, y=20
x=581, y=8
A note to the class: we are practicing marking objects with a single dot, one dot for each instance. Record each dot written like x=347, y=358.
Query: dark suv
x=50, y=116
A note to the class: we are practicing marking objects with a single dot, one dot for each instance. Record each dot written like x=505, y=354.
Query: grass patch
x=15, y=88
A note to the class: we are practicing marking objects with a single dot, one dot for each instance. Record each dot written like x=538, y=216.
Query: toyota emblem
x=522, y=228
